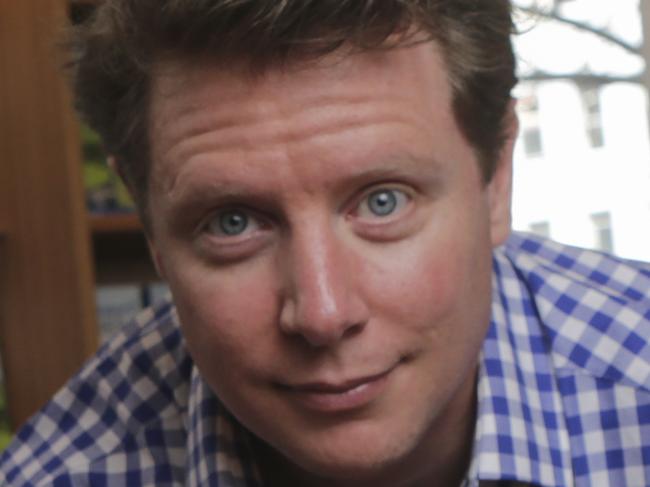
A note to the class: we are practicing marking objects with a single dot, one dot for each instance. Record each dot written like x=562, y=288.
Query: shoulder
x=612, y=274
x=592, y=312
x=594, y=307
x=124, y=406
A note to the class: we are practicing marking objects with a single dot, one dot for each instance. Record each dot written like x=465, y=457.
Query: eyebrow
x=197, y=193
x=202, y=196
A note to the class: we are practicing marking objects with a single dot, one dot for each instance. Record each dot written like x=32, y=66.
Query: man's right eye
x=230, y=235
x=232, y=223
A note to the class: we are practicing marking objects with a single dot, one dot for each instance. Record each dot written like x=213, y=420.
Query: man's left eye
x=382, y=203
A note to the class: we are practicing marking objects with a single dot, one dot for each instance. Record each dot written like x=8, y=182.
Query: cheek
x=423, y=282
x=225, y=313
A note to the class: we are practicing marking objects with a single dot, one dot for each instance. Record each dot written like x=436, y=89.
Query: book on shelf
x=119, y=304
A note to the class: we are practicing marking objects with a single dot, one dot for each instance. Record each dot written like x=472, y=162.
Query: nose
x=322, y=303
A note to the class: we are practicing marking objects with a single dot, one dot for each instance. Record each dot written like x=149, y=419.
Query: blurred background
x=582, y=160
x=73, y=261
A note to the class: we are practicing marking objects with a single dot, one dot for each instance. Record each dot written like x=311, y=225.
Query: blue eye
x=382, y=202
x=234, y=233
x=230, y=223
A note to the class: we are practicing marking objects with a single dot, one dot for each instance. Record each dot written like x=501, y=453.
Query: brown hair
x=114, y=51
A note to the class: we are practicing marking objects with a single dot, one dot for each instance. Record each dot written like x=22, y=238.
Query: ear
x=153, y=250
x=499, y=189
x=156, y=257
x=115, y=167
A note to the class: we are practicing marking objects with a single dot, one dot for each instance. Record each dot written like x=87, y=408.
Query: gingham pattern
x=563, y=393
x=564, y=385
x=137, y=414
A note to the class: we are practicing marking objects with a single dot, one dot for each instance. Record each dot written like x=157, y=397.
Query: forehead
x=389, y=66
x=189, y=96
x=341, y=115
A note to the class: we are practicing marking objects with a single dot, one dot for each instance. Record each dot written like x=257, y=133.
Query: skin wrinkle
x=231, y=116
x=254, y=144
x=203, y=144
x=400, y=161
x=234, y=117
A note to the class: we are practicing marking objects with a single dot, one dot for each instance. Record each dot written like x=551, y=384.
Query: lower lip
x=337, y=402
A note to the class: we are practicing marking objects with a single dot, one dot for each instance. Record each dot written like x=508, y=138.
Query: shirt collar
x=218, y=447
x=594, y=308
x=557, y=311
x=520, y=433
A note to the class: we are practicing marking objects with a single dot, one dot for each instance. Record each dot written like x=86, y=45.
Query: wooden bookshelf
x=47, y=288
x=52, y=253
x=120, y=250
x=4, y=214
x=107, y=223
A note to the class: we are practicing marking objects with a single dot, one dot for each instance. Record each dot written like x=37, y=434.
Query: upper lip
x=331, y=387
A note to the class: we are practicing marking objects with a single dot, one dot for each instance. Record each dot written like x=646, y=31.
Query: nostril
x=353, y=330
x=318, y=329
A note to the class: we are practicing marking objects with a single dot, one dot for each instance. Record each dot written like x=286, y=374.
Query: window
x=578, y=122
x=531, y=133
x=593, y=120
x=603, y=231
x=532, y=141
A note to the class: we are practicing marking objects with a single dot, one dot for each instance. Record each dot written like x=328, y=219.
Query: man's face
x=327, y=238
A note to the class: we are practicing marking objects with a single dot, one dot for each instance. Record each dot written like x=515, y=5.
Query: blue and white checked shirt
x=563, y=392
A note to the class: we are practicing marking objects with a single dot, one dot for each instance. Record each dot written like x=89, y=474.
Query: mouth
x=336, y=397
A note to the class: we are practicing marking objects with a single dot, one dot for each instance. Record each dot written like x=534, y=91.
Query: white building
x=582, y=160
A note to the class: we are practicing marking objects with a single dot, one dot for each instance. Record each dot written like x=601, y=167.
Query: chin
x=369, y=470
x=359, y=457
x=352, y=462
